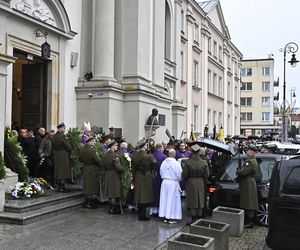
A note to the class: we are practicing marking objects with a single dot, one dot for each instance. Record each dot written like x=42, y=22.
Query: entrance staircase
x=31, y=210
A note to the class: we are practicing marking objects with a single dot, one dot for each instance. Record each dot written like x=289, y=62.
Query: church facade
x=112, y=62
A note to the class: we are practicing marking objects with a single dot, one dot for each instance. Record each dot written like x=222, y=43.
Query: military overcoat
x=113, y=171
x=92, y=164
x=247, y=182
x=61, y=153
x=194, y=171
x=143, y=168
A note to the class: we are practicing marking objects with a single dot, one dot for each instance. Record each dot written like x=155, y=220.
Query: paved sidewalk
x=96, y=229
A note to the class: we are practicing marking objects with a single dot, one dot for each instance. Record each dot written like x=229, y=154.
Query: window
x=209, y=80
x=235, y=94
x=208, y=118
x=228, y=91
x=182, y=21
x=214, y=117
x=265, y=86
x=265, y=116
x=266, y=71
x=209, y=45
x=246, y=101
x=292, y=184
x=246, y=72
x=167, y=31
x=196, y=33
x=215, y=49
x=196, y=118
x=182, y=65
x=220, y=119
x=246, y=86
x=220, y=53
x=246, y=116
x=195, y=73
x=220, y=86
x=214, y=83
x=265, y=101
x=228, y=62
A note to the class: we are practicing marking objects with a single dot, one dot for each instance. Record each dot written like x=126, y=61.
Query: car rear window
x=292, y=184
x=264, y=170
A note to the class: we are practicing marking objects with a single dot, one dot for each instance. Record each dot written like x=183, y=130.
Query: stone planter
x=186, y=241
x=217, y=230
x=232, y=216
x=2, y=196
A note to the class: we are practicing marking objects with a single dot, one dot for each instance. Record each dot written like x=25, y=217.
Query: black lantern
x=46, y=49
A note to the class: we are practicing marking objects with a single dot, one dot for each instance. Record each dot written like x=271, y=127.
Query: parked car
x=284, y=206
x=226, y=192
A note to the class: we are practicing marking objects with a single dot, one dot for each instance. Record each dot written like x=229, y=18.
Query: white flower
x=15, y=194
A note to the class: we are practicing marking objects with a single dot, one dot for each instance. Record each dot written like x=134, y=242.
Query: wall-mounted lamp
x=74, y=59
x=45, y=48
x=88, y=76
x=90, y=95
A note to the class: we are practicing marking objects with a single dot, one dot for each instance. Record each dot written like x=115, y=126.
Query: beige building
x=257, y=95
x=112, y=61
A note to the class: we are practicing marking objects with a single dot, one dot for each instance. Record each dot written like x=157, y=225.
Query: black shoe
x=94, y=203
x=249, y=225
x=88, y=204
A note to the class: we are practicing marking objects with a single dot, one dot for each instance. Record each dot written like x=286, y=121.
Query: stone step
x=50, y=198
x=41, y=213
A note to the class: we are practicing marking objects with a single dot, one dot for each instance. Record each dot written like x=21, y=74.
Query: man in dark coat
x=248, y=191
x=195, y=170
x=46, y=156
x=113, y=171
x=159, y=157
x=143, y=168
x=61, y=152
x=92, y=163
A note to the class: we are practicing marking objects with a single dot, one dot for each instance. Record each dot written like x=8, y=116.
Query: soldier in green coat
x=92, y=163
x=143, y=171
x=61, y=153
x=113, y=171
x=195, y=170
x=248, y=191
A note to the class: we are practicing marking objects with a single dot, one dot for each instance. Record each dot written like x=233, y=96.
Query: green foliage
x=100, y=149
x=2, y=170
x=14, y=157
x=125, y=161
x=74, y=137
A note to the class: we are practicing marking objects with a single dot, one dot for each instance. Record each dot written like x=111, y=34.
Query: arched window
x=167, y=31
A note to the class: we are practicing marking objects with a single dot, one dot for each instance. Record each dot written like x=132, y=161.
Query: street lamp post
x=291, y=47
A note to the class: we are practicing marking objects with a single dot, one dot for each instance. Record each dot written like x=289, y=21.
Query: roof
x=207, y=5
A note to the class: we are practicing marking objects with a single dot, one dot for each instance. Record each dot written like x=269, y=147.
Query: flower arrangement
x=26, y=190
x=14, y=157
x=42, y=182
x=125, y=161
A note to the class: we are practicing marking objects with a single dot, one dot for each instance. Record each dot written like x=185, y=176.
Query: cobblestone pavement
x=96, y=229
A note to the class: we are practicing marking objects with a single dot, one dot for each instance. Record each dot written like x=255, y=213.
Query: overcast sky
x=261, y=27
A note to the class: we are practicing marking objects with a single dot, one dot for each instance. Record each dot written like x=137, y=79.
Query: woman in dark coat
x=92, y=163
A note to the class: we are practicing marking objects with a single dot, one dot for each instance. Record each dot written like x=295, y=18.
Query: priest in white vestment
x=170, y=199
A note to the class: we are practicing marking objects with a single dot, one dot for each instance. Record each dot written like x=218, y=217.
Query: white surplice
x=170, y=198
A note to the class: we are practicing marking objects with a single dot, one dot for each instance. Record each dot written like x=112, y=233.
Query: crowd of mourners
x=161, y=174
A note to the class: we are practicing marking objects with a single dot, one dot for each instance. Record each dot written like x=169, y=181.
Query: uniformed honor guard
x=143, y=168
x=113, y=171
x=195, y=170
x=92, y=164
x=248, y=191
x=61, y=152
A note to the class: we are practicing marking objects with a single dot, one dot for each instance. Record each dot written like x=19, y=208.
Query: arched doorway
x=29, y=92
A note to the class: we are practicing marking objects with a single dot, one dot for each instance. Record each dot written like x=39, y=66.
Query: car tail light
x=212, y=189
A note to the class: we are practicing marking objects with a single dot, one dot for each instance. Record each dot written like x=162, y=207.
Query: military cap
x=251, y=147
x=141, y=143
x=61, y=125
x=90, y=138
x=112, y=143
x=195, y=148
